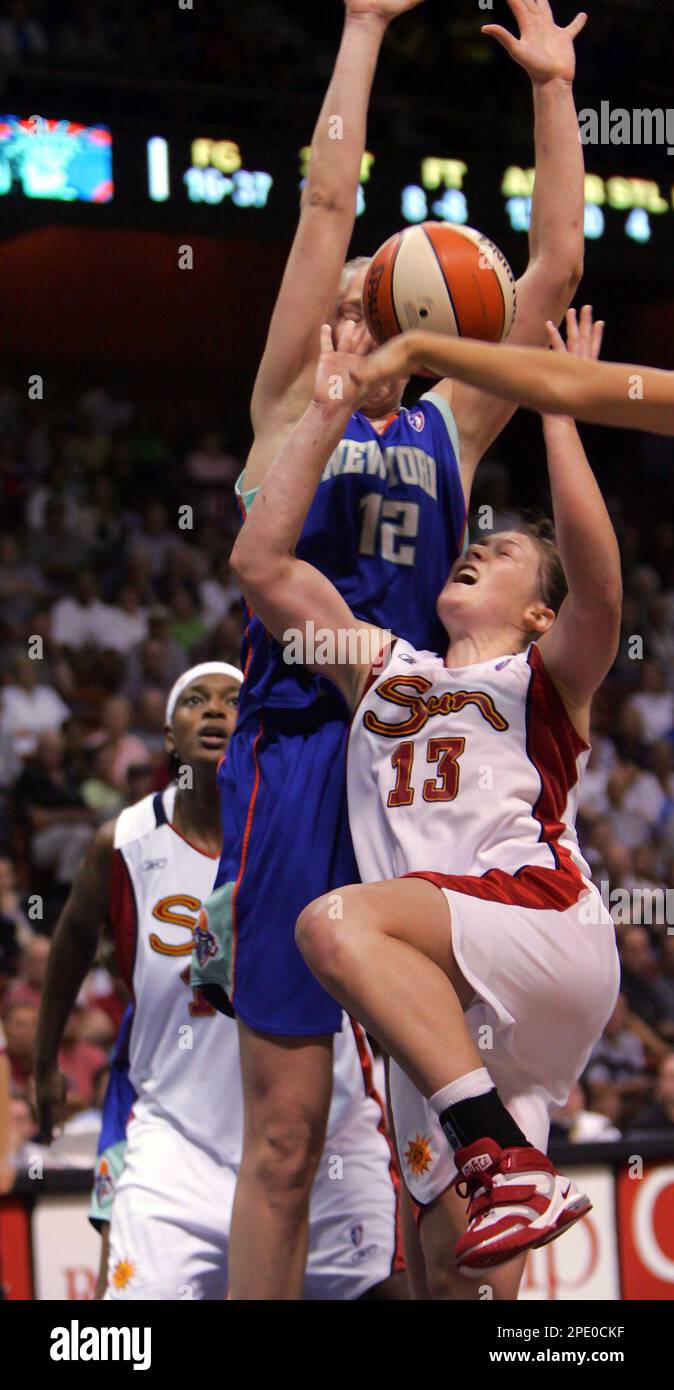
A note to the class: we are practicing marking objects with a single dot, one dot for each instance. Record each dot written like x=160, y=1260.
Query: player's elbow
x=256, y=569
x=321, y=197
x=563, y=273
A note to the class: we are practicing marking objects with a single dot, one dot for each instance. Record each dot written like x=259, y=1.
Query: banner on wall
x=623, y=1249
x=66, y=1249
x=645, y=1216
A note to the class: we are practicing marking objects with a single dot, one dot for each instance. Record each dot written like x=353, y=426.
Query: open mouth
x=466, y=575
x=212, y=737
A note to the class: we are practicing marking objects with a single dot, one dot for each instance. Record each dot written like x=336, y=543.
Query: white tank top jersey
x=468, y=771
x=183, y=1055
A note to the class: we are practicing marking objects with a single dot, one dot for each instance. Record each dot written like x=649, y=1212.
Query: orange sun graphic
x=419, y=1155
x=123, y=1273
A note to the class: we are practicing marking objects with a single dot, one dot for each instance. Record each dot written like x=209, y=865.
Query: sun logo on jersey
x=122, y=1274
x=418, y=1155
x=205, y=943
x=410, y=692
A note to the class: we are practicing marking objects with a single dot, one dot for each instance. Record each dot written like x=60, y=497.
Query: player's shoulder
x=139, y=820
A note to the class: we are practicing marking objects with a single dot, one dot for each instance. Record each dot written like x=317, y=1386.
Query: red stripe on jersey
x=244, y=850
x=124, y=918
x=554, y=889
x=553, y=746
x=398, y=1261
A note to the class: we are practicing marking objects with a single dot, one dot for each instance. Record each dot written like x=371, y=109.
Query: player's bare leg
x=287, y=1085
x=387, y=957
x=429, y=1236
x=440, y=1226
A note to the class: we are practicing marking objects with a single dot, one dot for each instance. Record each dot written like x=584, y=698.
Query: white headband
x=207, y=668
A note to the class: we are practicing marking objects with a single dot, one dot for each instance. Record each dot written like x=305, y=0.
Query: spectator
x=654, y=703
x=154, y=540
x=578, y=1124
x=6, y=1168
x=660, y=1114
x=21, y=586
x=618, y=1059
x=158, y=662
x=51, y=804
x=81, y=621
x=125, y=748
x=186, y=624
x=124, y=626
x=100, y=791
x=28, y=710
x=218, y=592
x=26, y=989
x=20, y=1025
x=639, y=978
x=150, y=722
x=80, y=1062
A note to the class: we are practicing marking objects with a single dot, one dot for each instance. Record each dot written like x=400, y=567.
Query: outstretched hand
x=583, y=339
x=544, y=49
x=583, y=336
x=336, y=384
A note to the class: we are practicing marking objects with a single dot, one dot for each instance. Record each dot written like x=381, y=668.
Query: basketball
x=447, y=279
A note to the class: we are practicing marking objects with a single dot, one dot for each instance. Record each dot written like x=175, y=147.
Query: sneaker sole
x=492, y=1256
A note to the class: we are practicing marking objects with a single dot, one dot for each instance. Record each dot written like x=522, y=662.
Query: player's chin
x=206, y=754
x=382, y=398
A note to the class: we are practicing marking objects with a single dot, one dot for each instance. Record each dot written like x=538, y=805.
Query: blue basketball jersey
x=386, y=525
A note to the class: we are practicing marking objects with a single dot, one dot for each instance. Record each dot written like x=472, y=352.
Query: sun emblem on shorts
x=419, y=1155
x=205, y=943
x=122, y=1274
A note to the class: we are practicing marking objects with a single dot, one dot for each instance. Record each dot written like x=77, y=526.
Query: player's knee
x=444, y=1282
x=287, y=1154
x=322, y=937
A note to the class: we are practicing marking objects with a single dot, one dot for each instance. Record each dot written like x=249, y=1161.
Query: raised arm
x=310, y=284
x=556, y=235
x=599, y=393
x=581, y=645
x=74, y=943
x=286, y=593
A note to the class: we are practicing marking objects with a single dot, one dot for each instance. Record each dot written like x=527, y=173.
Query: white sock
x=469, y=1087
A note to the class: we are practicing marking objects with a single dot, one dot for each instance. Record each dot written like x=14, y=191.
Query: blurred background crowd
x=117, y=517
x=114, y=576
x=241, y=45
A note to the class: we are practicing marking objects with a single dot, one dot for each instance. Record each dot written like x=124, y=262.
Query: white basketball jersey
x=466, y=771
x=183, y=1055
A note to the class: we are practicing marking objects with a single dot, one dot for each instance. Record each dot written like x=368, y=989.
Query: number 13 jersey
x=470, y=771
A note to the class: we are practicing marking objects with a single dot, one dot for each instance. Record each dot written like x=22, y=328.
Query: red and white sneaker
x=517, y=1201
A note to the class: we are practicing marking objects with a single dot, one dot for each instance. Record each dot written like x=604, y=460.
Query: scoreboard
x=232, y=182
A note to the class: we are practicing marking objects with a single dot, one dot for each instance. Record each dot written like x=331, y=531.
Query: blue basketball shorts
x=286, y=842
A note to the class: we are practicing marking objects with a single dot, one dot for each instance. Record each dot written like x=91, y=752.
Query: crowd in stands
x=266, y=45
x=114, y=577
